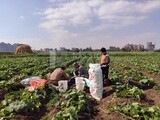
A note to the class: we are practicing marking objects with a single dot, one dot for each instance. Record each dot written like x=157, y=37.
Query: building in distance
x=48, y=49
x=113, y=48
x=133, y=47
x=150, y=46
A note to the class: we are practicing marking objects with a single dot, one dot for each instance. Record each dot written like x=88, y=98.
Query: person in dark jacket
x=79, y=71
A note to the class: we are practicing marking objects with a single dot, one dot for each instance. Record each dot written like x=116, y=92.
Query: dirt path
x=152, y=98
x=2, y=93
x=153, y=95
x=104, y=105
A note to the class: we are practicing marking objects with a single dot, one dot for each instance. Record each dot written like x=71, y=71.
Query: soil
x=51, y=113
x=21, y=117
x=105, y=104
x=153, y=95
x=2, y=93
x=152, y=98
x=31, y=115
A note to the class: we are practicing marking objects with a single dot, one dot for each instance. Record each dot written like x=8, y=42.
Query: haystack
x=23, y=49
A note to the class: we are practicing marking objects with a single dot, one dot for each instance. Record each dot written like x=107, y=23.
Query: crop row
x=150, y=63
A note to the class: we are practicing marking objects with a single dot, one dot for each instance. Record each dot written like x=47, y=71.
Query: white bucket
x=63, y=85
x=80, y=83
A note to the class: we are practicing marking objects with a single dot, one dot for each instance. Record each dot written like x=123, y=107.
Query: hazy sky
x=79, y=23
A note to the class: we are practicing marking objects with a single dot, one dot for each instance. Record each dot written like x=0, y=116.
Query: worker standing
x=104, y=62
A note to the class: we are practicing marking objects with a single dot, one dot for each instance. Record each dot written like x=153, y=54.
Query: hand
x=48, y=75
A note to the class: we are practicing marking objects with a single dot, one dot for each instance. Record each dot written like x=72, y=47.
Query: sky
x=80, y=23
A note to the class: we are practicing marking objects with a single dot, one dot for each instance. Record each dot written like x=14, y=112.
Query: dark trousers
x=72, y=81
x=105, y=71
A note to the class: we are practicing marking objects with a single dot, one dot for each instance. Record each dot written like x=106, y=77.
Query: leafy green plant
x=125, y=90
x=24, y=101
x=75, y=102
x=157, y=87
x=138, y=112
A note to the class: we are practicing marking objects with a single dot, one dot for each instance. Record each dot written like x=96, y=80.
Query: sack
x=27, y=81
x=36, y=84
x=96, y=82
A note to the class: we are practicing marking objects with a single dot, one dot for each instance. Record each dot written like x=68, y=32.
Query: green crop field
x=134, y=91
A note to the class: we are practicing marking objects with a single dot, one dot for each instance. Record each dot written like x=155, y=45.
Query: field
x=133, y=93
